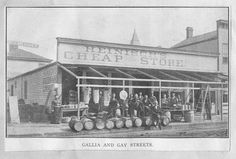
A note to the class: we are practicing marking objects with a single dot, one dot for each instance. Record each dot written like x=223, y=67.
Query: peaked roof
x=135, y=39
x=196, y=39
x=19, y=54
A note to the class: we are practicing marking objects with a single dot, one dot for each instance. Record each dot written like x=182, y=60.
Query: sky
x=154, y=26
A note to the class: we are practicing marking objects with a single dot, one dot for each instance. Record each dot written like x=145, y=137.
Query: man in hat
x=113, y=105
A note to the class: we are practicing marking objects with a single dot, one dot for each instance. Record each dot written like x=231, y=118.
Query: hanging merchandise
x=107, y=97
x=87, y=95
x=96, y=96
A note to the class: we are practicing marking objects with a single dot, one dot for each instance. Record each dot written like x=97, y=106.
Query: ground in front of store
x=216, y=127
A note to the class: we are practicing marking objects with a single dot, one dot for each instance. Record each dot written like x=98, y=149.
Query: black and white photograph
x=117, y=72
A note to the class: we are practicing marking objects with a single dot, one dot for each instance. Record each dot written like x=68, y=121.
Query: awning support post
x=193, y=96
x=78, y=95
x=221, y=103
x=123, y=84
x=160, y=94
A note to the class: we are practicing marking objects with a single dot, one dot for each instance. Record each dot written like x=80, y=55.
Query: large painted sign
x=136, y=58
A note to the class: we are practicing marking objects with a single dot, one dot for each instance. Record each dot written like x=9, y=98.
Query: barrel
x=88, y=123
x=119, y=123
x=99, y=124
x=70, y=122
x=189, y=116
x=147, y=121
x=137, y=121
x=165, y=120
x=168, y=114
x=128, y=122
x=76, y=125
x=109, y=124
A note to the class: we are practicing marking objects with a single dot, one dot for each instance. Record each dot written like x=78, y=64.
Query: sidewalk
x=63, y=130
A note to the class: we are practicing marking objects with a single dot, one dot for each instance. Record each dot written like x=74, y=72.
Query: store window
x=25, y=89
x=225, y=98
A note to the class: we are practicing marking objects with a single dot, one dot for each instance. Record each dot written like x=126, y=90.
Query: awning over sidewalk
x=100, y=72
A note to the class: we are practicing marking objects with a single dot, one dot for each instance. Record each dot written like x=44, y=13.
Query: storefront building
x=90, y=69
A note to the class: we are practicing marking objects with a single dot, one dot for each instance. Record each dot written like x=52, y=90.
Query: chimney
x=13, y=47
x=222, y=24
x=135, y=39
x=189, y=32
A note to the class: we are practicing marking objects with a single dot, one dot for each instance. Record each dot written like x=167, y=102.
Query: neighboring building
x=20, y=61
x=215, y=42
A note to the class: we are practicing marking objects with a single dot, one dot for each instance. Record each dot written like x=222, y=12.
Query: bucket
x=189, y=116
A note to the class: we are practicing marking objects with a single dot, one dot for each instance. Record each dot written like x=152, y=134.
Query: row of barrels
x=127, y=122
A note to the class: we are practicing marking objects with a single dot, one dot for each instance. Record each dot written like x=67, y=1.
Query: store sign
x=137, y=58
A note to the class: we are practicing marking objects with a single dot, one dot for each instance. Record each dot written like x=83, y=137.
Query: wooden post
x=78, y=94
x=203, y=103
x=193, y=96
x=123, y=84
x=221, y=102
x=130, y=89
x=160, y=94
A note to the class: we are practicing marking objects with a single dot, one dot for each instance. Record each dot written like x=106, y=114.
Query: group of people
x=143, y=105
x=171, y=101
x=134, y=103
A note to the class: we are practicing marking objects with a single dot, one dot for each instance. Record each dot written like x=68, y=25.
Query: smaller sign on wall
x=14, y=111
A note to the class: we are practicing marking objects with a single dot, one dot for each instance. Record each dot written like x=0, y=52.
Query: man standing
x=147, y=105
x=173, y=100
x=114, y=104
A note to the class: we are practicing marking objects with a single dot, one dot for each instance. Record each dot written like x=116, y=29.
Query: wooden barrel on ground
x=189, y=116
x=76, y=125
x=118, y=122
x=165, y=120
x=109, y=124
x=177, y=115
x=70, y=122
x=137, y=122
x=88, y=123
x=99, y=124
x=127, y=122
x=147, y=121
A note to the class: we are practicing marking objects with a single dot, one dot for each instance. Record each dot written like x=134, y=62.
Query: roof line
x=34, y=70
x=28, y=59
x=195, y=42
x=134, y=47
